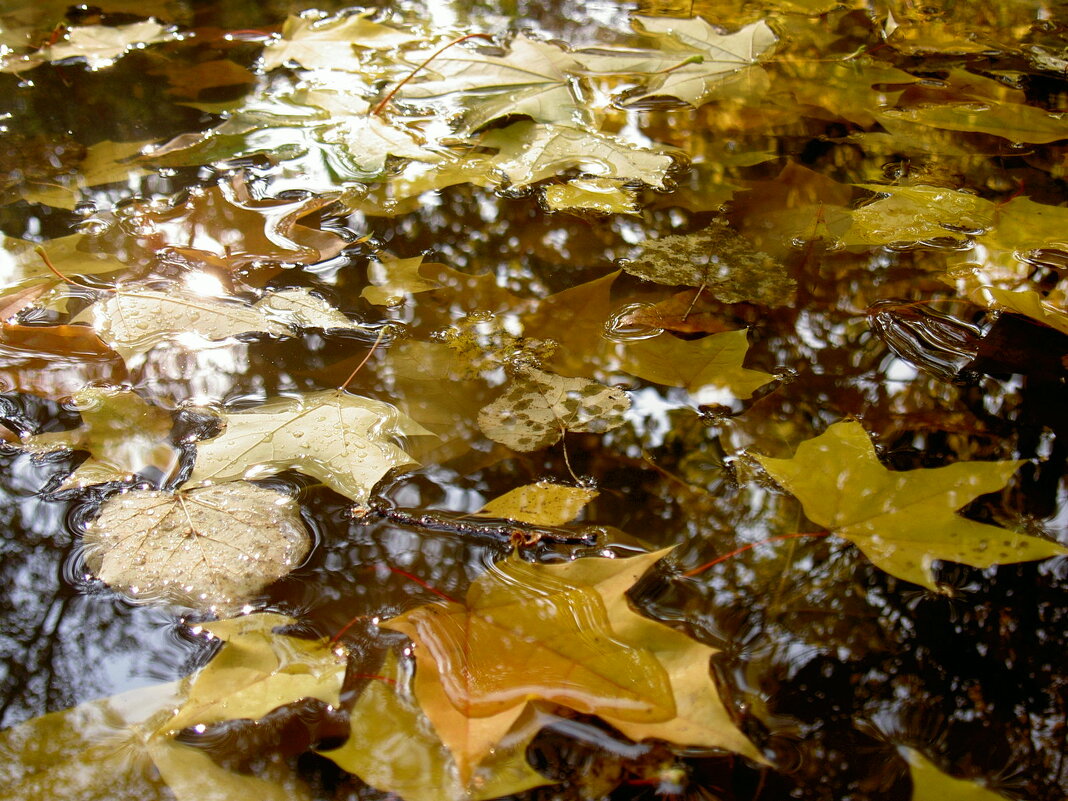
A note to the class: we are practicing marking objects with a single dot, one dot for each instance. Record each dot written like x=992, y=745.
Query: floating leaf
x=537, y=407
x=541, y=503
x=715, y=360
x=599, y=195
x=530, y=152
x=917, y=213
x=931, y=784
x=343, y=440
x=394, y=748
x=201, y=547
x=258, y=670
x=902, y=521
x=331, y=43
x=1016, y=122
x=123, y=434
x=136, y=320
x=392, y=278
x=717, y=258
x=55, y=361
x=105, y=750
x=1027, y=302
x=104, y=163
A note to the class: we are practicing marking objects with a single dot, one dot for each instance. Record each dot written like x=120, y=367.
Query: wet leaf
x=902, y=521
x=478, y=664
x=258, y=670
x=541, y=503
x=1013, y=121
x=931, y=784
x=538, y=407
x=392, y=279
x=19, y=261
x=331, y=43
x=715, y=360
x=917, y=213
x=598, y=195
x=1027, y=302
x=133, y=321
x=394, y=748
x=345, y=441
x=530, y=152
x=104, y=163
x=55, y=361
x=114, y=749
x=123, y=434
x=99, y=45
x=202, y=547
x=717, y=258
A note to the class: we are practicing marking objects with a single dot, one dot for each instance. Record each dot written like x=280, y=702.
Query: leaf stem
x=40, y=251
x=352, y=375
x=744, y=548
x=377, y=110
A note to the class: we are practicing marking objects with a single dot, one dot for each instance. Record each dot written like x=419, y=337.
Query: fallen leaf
x=394, y=748
x=1027, y=302
x=331, y=43
x=542, y=503
x=714, y=360
x=133, y=321
x=189, y=80
x=99, y=45
x=345, y=441
x=1016, y=122
x=902, y=521
x=929, y=783
x=202, y=547
x=392, y=279
x=917, y=213
x=104, y=163
x=258, y=670
x=598, y=195
x=123, y=434
x=55, y=361
x=479, y=663
x=70, y=255
x=104, y=751
x=717, y=258
x=686, y=312
x=538, y=407
x=530, y=152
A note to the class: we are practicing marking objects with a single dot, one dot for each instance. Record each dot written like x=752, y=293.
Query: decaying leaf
x=123, y=434
x=541, y=503
x=392, y=279
x=717, y=258
x=345, y=441
x=538, y=407
x=715, y=360
x=530, y=152
x=902, y=521
x=134, y=321
x=258, y=670
x=562, y=633
x=117, y=749
x=394, y=748
x=931, y=784
x=202, y=547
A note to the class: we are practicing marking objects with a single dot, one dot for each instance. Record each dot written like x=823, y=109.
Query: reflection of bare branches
x=36, y=656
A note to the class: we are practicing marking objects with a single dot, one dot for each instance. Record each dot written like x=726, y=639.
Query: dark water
x=828, y=662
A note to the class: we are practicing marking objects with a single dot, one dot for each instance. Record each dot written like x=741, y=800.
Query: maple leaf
x=99, y=45
x=715, y=56
x=393, y=747
x=104, y=163
x=717, y=258
x=392, y=278
x=258, y=670
x=929, y=783
x=55, y=361
x=598, y=195
x=1028, y=302
x=917, y=213
x=123, y=434
x=715, y=360
x=531, y=79
x=331, y=43
x=133, y=321
x=479, y=663
x=902, y=521
x=202, y=547
x=538, y=407
x=343, y=440
x=70, y=255
x=542, y=503
x=530, y=152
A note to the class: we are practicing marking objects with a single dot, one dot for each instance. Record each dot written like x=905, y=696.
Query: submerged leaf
x=715, y=360
x=542, y=503
x=345, y=441
x=931, y=784
x=123, y=434
x=902, y=521
x=258, y=670
x=394, y=748
x=392, y=278
x=538, y=407
x=202, y=547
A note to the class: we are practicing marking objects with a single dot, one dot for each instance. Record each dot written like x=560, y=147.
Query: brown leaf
x=55, y=361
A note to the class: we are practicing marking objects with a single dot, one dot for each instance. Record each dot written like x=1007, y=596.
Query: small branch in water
x=377, y=110
x=744, y=548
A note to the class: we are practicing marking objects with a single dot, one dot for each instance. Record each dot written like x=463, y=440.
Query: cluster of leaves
x=376, y=118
